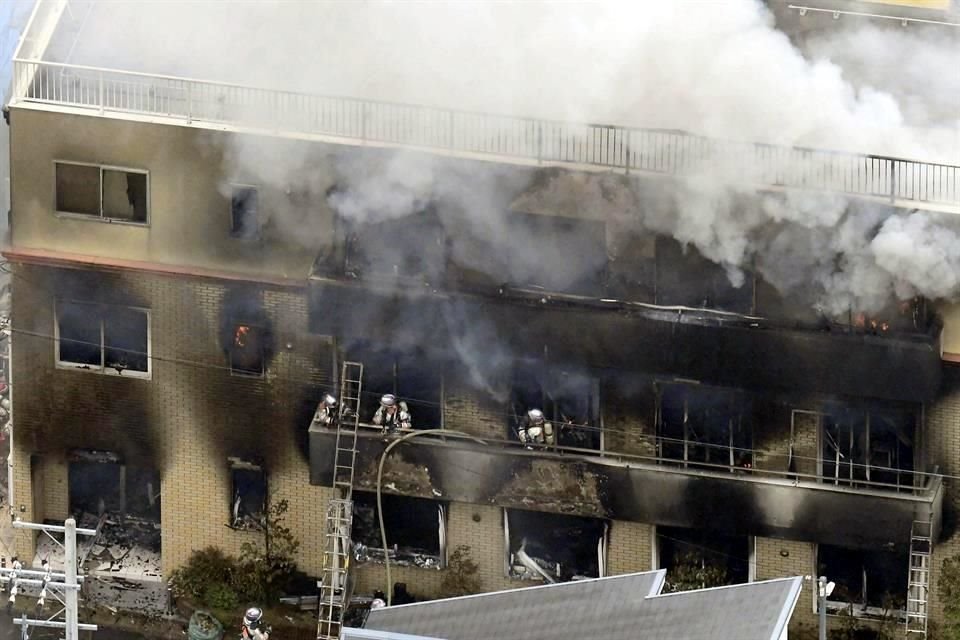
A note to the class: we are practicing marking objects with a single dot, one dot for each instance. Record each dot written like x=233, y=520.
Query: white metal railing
x=518, y=139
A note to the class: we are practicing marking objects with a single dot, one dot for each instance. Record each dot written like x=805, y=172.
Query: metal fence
x=510, y=138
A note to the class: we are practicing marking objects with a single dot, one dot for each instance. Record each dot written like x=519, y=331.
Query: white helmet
x=535, y=415
x=252, y=616
x=329, y=400
x=388, y=400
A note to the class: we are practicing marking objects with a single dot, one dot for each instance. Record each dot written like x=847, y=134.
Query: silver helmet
x=252, y=616
x=535, y=415
x=329, y=400
x=388, y=400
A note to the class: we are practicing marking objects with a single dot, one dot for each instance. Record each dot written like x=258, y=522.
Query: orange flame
x=240, y=337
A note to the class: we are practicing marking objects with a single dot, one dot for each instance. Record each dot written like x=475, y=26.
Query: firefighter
x=392, y=415
x=254, y=628
x=535, y=430
x=326, y=414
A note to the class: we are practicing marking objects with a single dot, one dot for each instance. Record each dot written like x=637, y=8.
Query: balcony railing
x=742, y=463
x=471, y=134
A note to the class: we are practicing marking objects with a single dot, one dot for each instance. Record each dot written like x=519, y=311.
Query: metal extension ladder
x=334, y=587
x=918, y=581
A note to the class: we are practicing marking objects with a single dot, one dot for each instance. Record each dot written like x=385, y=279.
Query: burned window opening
x=107, y=193
x=553, y=547
x=411, y=246
x=247, y=351
x=244, y=212
x=872, y=445
x=105, y=338
x=415, y=527
x=100, y=483
x=701, y=424
x=869, y=583
x=554, y=253
x=570, y=401
x=700, y=559
x=249, y=495
x=411, y=377
x=687, y=278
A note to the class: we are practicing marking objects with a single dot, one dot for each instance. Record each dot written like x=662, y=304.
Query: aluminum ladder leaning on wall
x=334, y=586
x=918, y=581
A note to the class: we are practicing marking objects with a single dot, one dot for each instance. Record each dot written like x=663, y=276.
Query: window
x=246, y=351
x=700, y=559
x=869, y=583
x=685, y=277
x=873, y=445
x=416, y=530
x=108, y=193
x=99, y=482
x=552, y=547
x=244, y=212
x=701, y=424
x=105, y=338
x=412, y=377
x=569, y=400
x=249, y=502
x=411, y=246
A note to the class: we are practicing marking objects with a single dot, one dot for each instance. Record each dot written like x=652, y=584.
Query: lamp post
x=824, y=589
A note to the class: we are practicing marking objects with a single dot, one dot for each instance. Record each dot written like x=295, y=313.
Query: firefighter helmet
x=388, y=400
x=252, y=616
x=535, y=415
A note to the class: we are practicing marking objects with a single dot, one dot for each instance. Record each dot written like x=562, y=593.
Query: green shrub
x=206, y=568
x=220, y=596
x=459, y=578
x=265, y=568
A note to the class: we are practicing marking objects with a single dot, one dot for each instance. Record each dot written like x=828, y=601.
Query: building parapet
x=484, y=136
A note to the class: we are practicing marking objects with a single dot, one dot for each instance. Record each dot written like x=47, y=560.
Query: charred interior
x=702, y=424
x=874, y=444
x=553, y=547
x=100, y=483
x=569, y=400
x=869, y=582
x=249, y=490
x=411, y=376
x=415, y=528
x=699, y=559
x=106, y=338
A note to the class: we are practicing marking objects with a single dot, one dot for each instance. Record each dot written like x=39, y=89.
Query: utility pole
x=66, y=584
x=824, y=589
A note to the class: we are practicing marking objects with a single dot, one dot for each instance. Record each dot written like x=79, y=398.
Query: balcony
x=713, y=347
x=650, y=489
x=462, y=134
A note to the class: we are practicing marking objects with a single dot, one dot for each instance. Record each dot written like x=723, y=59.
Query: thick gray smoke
x=720, y=69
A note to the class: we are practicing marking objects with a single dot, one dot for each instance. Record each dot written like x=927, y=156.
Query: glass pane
x=125, y=195
x=79, y=333
x=125, y=338
x=78, y=189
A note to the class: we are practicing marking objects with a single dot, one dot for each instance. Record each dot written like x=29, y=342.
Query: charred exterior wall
x=186, y=419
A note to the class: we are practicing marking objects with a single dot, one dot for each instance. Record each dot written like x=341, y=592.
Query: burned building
x=176, y=319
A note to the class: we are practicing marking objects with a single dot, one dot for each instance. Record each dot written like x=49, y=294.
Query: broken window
x=873, y=445
x=247, y=350
x=100, y=483
x=569, y=400
x=416, y=530
x=554, y=547
x=410, y=246
x=868, y=582
x=702, y=424
x=554, y=253
x=105, y=338
x=412, y=377
x=244, y=212
x=700, y=559
x=249, y=490
x=686, y=278
x=109, y=193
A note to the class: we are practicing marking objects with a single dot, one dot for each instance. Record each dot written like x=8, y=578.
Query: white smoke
x=720, y=69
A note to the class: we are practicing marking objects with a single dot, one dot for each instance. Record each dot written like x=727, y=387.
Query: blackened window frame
x=370, y=396
x=239, y=225
x=866, y=604
x=101, y=216
x=259, y=333
x=392, y=504
x=603, y=541
x=566, y=433
x=256, y=473
x=98, y=315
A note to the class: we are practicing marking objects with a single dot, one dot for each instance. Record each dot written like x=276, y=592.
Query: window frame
x=234, y=233
x=101, y=217
x=102, y=369
x=262, y=330
x=603, y=547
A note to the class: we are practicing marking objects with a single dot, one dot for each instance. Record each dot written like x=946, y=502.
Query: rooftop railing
x=470, y=134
